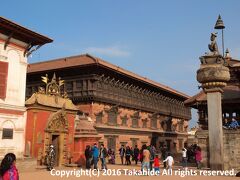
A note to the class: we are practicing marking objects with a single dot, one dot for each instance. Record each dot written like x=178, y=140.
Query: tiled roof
x=86, y=59
x=19, y=32
x=230, y=93
x=50, y=101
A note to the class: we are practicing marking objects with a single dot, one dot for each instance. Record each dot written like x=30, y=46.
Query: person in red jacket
x=198, y=157
x=156, y=164
x=8, y=170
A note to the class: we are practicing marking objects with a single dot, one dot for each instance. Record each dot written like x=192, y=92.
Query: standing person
x=140, y=156
x=113, y=157
x=156, y=164
x=184, y=157
x=152, y=155
x=51, y=157
x=131, y=151
x=146, y=157
x=122, y=153
x=164, y=155
x=88, y=156
x=136, y=154
x=198, y=157
x=169, y=161
x=8, y=170
x=109, y=152
x=103, y=155
x=95, y=153
x=128, y=155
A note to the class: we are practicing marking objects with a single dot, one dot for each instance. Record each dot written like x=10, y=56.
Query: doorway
x=55, y=143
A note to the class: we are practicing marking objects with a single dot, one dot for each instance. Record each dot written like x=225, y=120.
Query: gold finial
x=53, y=87
x=45, y=79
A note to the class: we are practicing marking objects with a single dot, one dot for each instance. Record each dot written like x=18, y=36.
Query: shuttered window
x=3, y=79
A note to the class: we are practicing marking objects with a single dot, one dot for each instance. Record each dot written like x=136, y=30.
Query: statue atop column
x=212, y=57
x=213, y=46
x=213, y=76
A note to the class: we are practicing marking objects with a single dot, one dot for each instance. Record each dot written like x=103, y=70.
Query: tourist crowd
x=148, y=156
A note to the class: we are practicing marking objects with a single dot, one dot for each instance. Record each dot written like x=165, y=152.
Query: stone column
x=213, y=76
x=214, y=98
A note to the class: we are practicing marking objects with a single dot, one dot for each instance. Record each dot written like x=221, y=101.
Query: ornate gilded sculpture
x=53, y=87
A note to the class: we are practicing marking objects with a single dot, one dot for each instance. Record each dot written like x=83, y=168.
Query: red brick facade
x=142, y=132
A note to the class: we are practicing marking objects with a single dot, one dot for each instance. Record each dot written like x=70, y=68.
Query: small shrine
x=85, y=134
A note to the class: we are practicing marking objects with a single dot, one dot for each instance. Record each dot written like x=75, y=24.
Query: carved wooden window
x=169, y=124
x=7, y=133
x=134, y=122
x=135, y=117
x=111, y=143
x=112, y=115
x=154, y=122
x=144, y=121
x=69, y=86
x=3, y=79
x=124, y=120
x=79, y=85
x=112, y=118
x=99, y=117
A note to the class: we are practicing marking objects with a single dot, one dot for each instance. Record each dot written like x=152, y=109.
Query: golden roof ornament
x=53, y=87
x=45, y=79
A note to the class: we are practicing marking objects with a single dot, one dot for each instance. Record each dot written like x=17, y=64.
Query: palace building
x=125, y=108
x=16, y=44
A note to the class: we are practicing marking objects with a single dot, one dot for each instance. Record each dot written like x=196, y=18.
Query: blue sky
x=161, y=40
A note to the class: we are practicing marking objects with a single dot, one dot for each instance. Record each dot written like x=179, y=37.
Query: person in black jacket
x=122, y=153
x=88, y=156
x=128, y=155
x=136, y=154
x=102, y=155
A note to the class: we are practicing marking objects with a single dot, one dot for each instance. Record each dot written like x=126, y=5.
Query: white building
x=16, y=43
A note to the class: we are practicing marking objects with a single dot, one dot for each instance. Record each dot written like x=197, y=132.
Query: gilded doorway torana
x=56, y=134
